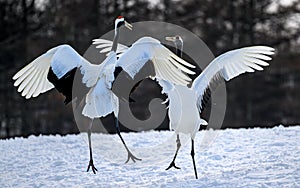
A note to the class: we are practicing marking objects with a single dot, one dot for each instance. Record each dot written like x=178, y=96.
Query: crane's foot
x=91, y=165
x=172, y=164
x=132, y=157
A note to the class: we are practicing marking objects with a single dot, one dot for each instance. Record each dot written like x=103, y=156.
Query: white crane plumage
x=57, y=67
x=167, y=65
x=185, y=104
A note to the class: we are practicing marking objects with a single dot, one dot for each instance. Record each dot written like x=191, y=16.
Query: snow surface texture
x=237, y=158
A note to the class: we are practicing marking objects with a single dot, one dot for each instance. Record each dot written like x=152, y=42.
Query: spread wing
x=32, y=79
x=230, y=65
x=167, y=65
x=106, y=45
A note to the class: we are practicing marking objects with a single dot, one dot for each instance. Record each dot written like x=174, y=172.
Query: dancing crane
x=185, y=104
x=57, y=68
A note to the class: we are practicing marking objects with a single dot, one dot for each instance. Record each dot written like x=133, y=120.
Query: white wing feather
x=105, y=46
x=167, y=65
x=171, y=72
x=230, y=65
x=35, y=72
x=32, y=79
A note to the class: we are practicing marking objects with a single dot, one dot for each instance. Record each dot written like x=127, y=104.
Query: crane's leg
x=193, y=154
x=91, y=164
x=172, y=164
x=130, y=155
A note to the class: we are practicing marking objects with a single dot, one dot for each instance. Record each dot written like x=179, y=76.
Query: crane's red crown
x=119, y=17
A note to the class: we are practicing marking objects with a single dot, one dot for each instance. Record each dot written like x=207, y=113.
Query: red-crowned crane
x=186, y=104
x=57, y=67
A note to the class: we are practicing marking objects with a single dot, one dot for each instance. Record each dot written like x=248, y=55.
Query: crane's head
x=178, y=44
x=121, y=21
x=177, y=41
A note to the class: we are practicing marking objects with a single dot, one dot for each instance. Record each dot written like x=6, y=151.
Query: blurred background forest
x=30, y=27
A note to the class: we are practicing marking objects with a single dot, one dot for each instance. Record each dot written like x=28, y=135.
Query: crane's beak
x=128, y=25
x=172, y=39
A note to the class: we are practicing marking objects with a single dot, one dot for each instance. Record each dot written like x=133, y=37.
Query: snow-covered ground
x=237, y=158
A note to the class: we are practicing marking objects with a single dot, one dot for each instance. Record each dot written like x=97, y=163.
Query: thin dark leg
x=130, y=155
x=193, y=154
x=91, y=164
x=172, y=164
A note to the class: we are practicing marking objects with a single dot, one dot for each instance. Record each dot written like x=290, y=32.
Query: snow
x=237, y=158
